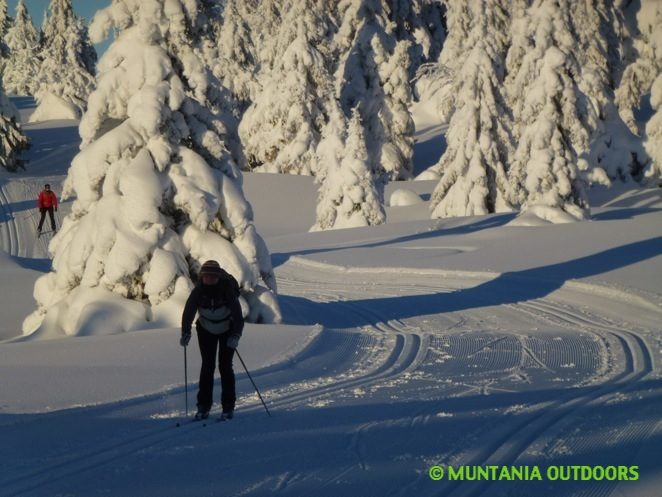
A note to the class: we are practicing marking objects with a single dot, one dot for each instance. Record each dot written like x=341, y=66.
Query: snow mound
x=403, y=197
x=428, y=175
x=541, y=215
x=53, y=108
x=87, y=312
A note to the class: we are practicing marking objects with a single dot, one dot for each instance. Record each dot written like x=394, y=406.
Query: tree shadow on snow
x=620, y=214
x=41, y=265
x=486, y=222
x=508, y=288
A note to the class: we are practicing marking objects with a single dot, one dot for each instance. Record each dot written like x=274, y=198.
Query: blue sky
x=83, y=8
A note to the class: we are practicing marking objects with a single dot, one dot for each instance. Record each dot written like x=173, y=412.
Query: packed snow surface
x=463, y=341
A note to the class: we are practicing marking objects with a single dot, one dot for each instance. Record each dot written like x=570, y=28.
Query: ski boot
x=201, y=414
x=225, y=415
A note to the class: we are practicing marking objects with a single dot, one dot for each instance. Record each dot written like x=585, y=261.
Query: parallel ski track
x=11, y=237
x=13, y=234
x=408, y=352
x=516, y=439
x=403, y=357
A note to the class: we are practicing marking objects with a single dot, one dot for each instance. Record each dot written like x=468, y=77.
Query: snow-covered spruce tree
x=473, y=167
x=600, y=34
x=520, y=42
x=595, y=25
x=235, y=63
x=281, y=129
x=370, y=76
x=157, y=193
x=7, y=108
x=5, y=24
x=348, y=195
x=12, y=140
x=653, y=142
x=638, y=77
x=554, y=122
x=66, y=75
x=5, y=20
x=21, y=76
x=265, y=21
x=420, y=23
x=453, y=53
x=398, y=150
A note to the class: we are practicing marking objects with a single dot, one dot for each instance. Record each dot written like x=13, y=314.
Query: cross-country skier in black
x=219, y=326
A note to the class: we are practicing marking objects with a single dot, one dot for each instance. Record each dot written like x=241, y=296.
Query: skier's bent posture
x=219, y=326
x=47, y=202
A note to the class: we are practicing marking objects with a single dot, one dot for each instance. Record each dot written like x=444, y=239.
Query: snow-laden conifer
x=349, y=194
x=420, y=23
x=21, y=75
x=473, y=167
x=520, y=41
x=553, y=121
x=5, y=20
x=235, y=64
x=66, y=75
x=398, y=150
x=638, y=76
x=600, y=38
x=12, y=140
x=653, y=142
x=281, y=129
x=458, y=21
x=5, y=24
x=653, y=136
x=370, y=76
x=156, y=191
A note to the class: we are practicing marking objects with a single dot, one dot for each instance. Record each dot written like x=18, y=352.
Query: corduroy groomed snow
x=211, y=267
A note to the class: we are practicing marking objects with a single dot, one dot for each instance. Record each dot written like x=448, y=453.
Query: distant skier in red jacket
x=47, y=202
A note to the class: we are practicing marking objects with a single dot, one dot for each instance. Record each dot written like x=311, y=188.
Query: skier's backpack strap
x=230, y=281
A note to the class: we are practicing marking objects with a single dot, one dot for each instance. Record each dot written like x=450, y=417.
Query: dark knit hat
x=212, y=268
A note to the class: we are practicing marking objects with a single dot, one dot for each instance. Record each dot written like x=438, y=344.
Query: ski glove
x=233, y=341
x=185, y=339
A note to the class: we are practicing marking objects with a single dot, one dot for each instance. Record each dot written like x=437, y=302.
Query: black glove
x=185, y=339
x=233, y=341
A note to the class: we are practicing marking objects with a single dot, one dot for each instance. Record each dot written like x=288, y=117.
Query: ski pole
x=254, y=385
x=185, y=382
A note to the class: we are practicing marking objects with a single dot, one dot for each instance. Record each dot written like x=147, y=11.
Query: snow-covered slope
x=411, y=344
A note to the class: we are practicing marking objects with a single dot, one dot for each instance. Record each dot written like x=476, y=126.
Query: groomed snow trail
x=586, y=361
x=373, y=401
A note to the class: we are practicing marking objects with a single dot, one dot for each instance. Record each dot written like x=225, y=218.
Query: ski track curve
x=10, y=233
x=19, y=237
x=514, y=441
x=401, y=358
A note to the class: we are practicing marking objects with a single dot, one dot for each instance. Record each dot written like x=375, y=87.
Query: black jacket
x=225, y=292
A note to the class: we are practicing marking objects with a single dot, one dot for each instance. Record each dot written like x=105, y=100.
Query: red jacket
x=46, y=200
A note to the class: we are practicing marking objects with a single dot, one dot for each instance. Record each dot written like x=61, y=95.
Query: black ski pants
x=43, y=211
x=209, y=344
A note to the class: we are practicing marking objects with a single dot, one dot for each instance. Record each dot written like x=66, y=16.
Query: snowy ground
x=416, y=343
